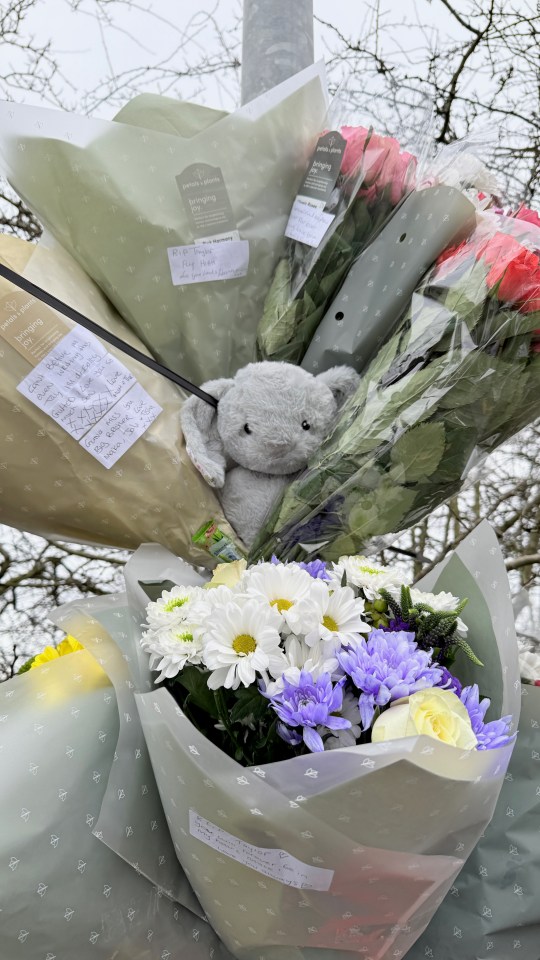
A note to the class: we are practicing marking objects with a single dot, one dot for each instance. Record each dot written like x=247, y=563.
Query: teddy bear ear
x=342, y=381
x=203, y=445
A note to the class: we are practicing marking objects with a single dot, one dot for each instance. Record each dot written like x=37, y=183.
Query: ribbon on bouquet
x=77, y=317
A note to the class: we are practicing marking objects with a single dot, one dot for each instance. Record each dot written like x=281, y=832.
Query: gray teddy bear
x=270, y=419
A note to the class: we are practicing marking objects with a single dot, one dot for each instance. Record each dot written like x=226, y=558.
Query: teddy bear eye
x=306, y=425
x=247, y=428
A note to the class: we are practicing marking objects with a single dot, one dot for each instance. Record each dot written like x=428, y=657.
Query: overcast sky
x=143, y=34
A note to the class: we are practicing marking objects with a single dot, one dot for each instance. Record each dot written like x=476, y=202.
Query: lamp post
x=277, y=42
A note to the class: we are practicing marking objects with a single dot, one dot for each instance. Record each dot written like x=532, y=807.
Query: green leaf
x=26, y=666
x=249, y=703
x=195, y=681
x=419, y=451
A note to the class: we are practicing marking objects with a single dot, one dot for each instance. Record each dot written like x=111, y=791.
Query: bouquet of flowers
x=336, y=213
x=278, y=660
x=287, y=841
x=458, y=376
x=79, y=460
x=176, y=211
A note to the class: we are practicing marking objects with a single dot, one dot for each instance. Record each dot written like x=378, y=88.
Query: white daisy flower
x=281, y=585
x=241, y=640
x=363, y=572
x=171, y=649
x=348, y=737
x=172, y=607
x=315, y=660
x=335, y=617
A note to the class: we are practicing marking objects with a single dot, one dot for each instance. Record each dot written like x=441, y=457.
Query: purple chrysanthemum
x=490, y=735
x=385, y=667
x=309, y=704
x=449, y=682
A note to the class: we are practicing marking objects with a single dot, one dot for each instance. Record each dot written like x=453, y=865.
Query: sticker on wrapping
x=276, y=864
x=324, y=167
x=204, y=262
x=29, y=326
x=206, y=200
x=80, y=386
x=308, y=223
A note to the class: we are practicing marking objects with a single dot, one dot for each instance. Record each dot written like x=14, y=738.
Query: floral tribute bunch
x=374, y=176
x=458, y=376
x=276, y=660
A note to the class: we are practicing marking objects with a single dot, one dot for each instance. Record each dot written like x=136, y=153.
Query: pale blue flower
x=386, y=667
x=309, y=703
x=490, y=735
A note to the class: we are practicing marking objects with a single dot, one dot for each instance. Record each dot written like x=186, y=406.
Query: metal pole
x=277, y=42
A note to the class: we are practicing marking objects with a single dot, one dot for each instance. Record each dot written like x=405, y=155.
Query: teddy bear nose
x=278, y=446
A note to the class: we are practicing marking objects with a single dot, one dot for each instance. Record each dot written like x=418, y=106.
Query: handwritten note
x=203, y=262
x=274, y=863
x=308, y=223
x=91, y=395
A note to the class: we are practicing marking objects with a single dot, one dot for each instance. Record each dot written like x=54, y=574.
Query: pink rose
x=381, y=160
x=531, y=216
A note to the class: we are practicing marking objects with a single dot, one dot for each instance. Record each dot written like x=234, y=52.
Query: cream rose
x=227, y=574
x=433, y=712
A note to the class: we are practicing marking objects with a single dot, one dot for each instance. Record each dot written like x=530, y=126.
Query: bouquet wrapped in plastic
x=459, y=374
x=177, y=212
x=313, y=848
x=369, y=209
x=91, y=447
x=354, y=180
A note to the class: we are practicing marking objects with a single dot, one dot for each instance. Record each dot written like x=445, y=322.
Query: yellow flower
x=68, y=645
x=434, y=712
x=227, y=574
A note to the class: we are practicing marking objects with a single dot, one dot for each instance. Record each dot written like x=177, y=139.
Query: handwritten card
x=91, y=395
x=204, y=262
x=118, y=430
x=271, y=862
x=308, y=223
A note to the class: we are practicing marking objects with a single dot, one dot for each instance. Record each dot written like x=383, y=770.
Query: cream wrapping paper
x=352, y=849
x=108, y=192
x=49, y=484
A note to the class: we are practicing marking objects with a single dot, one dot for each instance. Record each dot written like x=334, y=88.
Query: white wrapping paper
x=351, y=849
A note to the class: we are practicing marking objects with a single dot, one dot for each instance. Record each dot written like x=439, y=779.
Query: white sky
x=89, y=52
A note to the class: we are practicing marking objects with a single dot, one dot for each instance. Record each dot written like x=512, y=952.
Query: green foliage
x=434, y=629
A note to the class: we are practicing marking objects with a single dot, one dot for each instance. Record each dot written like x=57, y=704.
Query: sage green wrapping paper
x=493, y=909
x=383, y=279
x=49, y=484
x=108, y=192
x=63, y=893
x=370, y=837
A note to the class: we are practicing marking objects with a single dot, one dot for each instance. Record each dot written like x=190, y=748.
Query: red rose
x=498, y=252
x=520, y=283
